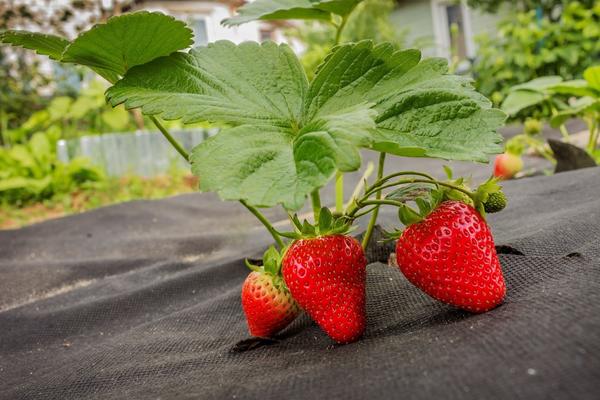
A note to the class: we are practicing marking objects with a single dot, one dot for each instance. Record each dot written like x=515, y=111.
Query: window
x=266, y=34
x=452, y=29
x=456, y=31
x=200, y=31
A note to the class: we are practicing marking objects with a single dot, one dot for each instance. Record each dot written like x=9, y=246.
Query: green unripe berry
x=532, y=126
x=496, y=201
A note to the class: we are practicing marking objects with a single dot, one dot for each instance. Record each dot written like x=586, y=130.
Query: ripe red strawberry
x=450, y=255
x=507, y=165
x=267, y=303
x=326, y=275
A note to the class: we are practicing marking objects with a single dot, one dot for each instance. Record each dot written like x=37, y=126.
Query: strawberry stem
x=383, y=180
x=316, y=204
x=250, y=208
x=339, y=192
x=380, y=185
x=373, y=219
x=265, y=222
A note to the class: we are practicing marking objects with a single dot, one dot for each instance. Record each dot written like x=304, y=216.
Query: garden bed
x=142, y=299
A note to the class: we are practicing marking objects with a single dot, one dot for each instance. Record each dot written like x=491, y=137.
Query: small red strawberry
x=268, y=305
x=506, y=165
x=326, y=275
x=450, y=255
x=266, y=301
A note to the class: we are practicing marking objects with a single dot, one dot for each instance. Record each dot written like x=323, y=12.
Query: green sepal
x=392, y=236
x=272, y=261
x=296, y=222
x=328, y=224
x=424, y=206
x=308, y=229
x=325, y=220
x=252, y=267
x=408, y=216
x=453, y=194
x=437, y=196
x=448, y=171
x=290, y=235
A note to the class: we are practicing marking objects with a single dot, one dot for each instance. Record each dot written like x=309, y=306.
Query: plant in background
x=287, y=136
x=86, y=114
x=584, y=103
x=530, y=45
x=565, y=100
x=552, y=8
x=31, y=171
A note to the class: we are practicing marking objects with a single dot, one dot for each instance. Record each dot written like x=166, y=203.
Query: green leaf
x=576, y=87
x=339, y=7
x=41, y=149
x=111, y=48
x=518, y=100
x=289, y=138
x=117, y=118
x=452, y=129
x=576, y=108
x=529, y=94
x=47, y=45
x=538, y=84
x=592, y=76
x=291, y=9
x=22, y=154
x=29, y=184
x=421, y=110
x=277, y=9
x=128, y=40
x=266, y=165
x=223, y=82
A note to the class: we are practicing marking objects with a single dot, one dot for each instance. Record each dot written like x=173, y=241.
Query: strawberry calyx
x=327, y=224
x=271, y=264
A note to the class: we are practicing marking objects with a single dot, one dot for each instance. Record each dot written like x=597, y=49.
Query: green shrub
x=31, y=172
x=526, y=47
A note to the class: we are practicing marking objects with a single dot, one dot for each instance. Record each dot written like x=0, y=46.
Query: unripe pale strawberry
x=507, y=165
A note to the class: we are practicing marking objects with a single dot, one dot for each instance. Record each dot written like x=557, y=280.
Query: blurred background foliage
x=563, y=40
x=42, y=103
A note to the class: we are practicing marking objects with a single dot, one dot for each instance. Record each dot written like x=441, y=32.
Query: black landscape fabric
x=141, y=301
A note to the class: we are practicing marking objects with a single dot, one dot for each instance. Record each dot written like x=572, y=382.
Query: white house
x=205, y=17
x=434, y=18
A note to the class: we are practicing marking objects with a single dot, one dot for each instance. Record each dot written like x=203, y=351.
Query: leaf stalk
x=170, y=138
x=373, y=219
x=265, y=222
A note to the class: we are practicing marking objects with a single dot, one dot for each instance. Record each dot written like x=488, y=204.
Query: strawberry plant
x=579, y=98
x=283, y=137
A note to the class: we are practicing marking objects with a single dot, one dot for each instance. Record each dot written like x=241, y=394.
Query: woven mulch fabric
x=141, y=301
